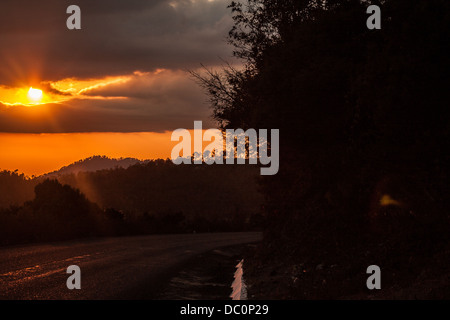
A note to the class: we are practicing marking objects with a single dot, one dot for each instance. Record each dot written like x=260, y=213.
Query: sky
x=119, y=83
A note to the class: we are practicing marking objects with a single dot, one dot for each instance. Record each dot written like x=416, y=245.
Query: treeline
x=56, y=213
x=155, y=197
x=15, y=188
x=160, y=187
x=364, y=133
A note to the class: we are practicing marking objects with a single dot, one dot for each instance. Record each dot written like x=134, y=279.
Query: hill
x=93, y=164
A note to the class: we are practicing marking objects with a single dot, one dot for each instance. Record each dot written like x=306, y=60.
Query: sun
x=35, y=95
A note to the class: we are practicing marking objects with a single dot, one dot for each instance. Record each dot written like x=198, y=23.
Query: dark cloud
x=94, y=117
x=117, y=37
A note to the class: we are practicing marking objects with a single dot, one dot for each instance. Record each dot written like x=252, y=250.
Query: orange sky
x=35, y=154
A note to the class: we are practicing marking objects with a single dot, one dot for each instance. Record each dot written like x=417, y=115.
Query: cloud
x=146, y=102
x=147, y=44
x=117, y=37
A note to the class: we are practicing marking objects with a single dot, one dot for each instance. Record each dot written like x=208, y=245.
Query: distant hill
x=93, y=164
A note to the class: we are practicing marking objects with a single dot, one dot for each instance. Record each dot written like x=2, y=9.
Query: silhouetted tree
x=15, y=188
x=353, y=106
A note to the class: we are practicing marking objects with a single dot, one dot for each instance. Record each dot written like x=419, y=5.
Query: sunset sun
x=35, y=95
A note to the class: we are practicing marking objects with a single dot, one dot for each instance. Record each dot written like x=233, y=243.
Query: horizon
x=41, y=153
x=79, y=161
x=38, y=154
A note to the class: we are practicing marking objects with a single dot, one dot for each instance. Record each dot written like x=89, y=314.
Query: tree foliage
x=355, y=108
x=153, y=197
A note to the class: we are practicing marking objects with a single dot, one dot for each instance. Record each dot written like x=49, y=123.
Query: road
x=111, y=268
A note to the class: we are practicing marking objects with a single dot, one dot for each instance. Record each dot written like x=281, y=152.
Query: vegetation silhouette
x=362, y=117
x=150, y=197
x=94, y=163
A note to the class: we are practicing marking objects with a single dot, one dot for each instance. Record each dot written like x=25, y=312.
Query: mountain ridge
x=92, y=164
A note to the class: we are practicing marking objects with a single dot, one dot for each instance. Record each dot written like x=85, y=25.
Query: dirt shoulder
x=345, y=279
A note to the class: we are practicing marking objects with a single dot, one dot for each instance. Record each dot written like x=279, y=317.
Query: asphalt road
x=111, y=268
